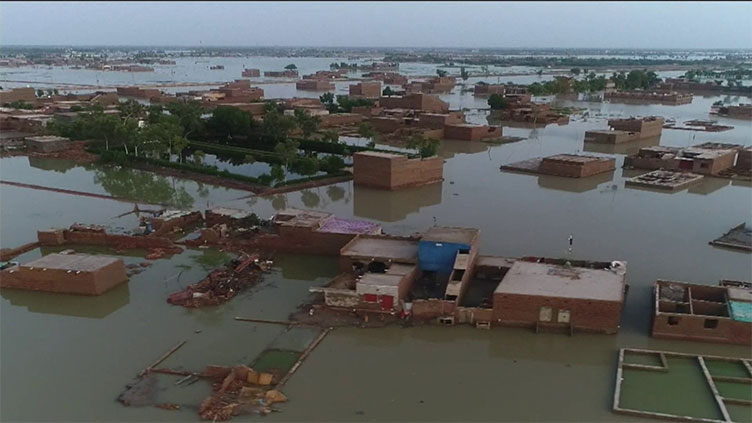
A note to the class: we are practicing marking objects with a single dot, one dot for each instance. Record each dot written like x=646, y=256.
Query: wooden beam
x=303, y=356
x=161, y=359
x=718, y=397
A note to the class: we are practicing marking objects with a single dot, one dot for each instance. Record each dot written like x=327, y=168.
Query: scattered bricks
x=216, y=372
x=265, y=378
x=274, y=396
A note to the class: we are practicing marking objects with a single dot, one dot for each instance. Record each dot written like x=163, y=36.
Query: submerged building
x=441, y=275
x=703, y=313
x=567, y=165
x=626, y=130
x=394, y=171
x=705, y=159
x=81, y=274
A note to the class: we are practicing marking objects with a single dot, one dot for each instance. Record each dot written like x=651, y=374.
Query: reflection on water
x=145, y=186
x=95, y=307
x=574, y=184
x=55, y=165
x=451, y=147
x=708, y=185
x=625, y=148
x=391, y=206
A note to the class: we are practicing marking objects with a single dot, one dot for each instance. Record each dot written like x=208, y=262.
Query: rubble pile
x=236, y=391
x=221, y=284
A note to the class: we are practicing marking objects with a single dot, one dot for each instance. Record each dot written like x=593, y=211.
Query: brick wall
x=585, y=315
x=57, y=280
x=692, y=328
x=340, y=119
x=27, y=95
x=366, y=89
x=575, y=169
x=471, y=133
x=395, y=171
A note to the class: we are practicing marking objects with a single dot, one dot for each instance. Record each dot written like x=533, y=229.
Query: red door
x=387, y=302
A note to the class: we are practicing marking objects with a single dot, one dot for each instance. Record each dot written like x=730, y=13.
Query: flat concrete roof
x=450, y=234
x=385, y=248
x=379, y=154
x=381, y=279
x=576, y=158
x=75, y=262
x=546, y=280
x=739, y=294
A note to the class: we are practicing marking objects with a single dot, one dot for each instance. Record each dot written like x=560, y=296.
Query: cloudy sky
x=359, y=24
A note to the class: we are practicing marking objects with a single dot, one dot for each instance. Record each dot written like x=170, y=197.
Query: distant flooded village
x=210, y=233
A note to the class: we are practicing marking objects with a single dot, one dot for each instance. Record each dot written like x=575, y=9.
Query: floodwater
x=67, y=358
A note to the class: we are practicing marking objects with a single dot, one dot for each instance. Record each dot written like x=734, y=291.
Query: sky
x=691, y=25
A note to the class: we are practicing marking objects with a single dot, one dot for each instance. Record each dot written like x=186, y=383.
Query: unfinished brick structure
x=705, y=313
x=305, y=231
x=395, y=171
x=366, y=90
x=389, y=78
x=440, y=120
x=576, y=298
x=251, y=73
x=287, y=73
x=170, y=220
x=26, y=95
x=625, y=130
x=239, y=91
x=705, y=159
x=96, y=235
x=314, y=85
x=422, y=102
x=47, y=143
x=484, y=89
x=569, y=165
x=468, y=132
x=66, y=273
x=669, y=98
x=340, y=119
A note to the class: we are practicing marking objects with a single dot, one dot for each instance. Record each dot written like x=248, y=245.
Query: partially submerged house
x=568, y=165
x=626, y=130
x=441, y=275
x=705, y=159
x=81, y=274
x=47, y=143
x=394, y=171
x=575, y=298
x=705, y=313
x=663, y=97
x=365, y=89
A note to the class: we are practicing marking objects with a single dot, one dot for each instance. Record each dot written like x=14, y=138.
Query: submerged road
x=80, y=193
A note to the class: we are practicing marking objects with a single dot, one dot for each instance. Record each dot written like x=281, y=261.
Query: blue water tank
x=438, y=256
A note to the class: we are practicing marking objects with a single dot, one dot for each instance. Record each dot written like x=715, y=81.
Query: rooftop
x=348, y=226
x=379, y=154
x=75, y=262
x=547, y=280
x=380, y=279
x=402, y=249
x=450, y=234
x=578, y=158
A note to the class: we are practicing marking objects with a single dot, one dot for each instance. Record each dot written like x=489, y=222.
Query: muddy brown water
x=66, y=358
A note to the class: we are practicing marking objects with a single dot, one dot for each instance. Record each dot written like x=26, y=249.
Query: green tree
x=276, y=127
x=130, y=109
x=165, y=136
x=189, y=116
x=575, y=71
x=330, y=135
x=308, y=165
x=287, y=150
x=307, y=123
x=291, y=66
x=539, y=72
x=40, y=93
x=331, y=164
x=497, y=102
x=464, y=74
x=154, y=113
x=441, y=73
x=277, y=173
x=387, y=92
x=230, y=122
x=426, y=147
x=367, y=131
x=198, y=157
x=535, y=89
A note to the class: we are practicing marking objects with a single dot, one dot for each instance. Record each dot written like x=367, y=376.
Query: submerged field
x=67, y=358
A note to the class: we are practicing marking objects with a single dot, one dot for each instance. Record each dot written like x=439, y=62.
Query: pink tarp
x=345, y=226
